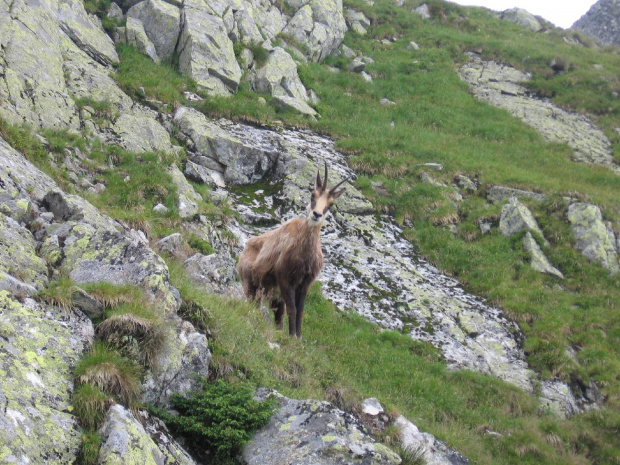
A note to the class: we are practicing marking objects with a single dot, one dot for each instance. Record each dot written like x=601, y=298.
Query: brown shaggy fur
x=283, y=263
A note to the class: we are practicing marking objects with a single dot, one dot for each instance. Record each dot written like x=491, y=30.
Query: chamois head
x=322, y=199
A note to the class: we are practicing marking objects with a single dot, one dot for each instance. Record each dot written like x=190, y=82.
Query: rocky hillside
x=601, y=22
x=126, y=198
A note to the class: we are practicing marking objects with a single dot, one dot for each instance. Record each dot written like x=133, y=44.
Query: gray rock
x=320, y=26
x=497, y=194
x=412, y=46
x=516, y=217
x=135, y=35
x=160, y=208
x=423, y=11
x=356, y=66
x=216, y=273
x=180, y=364
x=278, y=77
x=208, y=58
x=115, y=12
x=198, y=173
x=189, y=199
x=367, y=77
x=539, y=261
x=248, y=30
x=244, y=161
x=523, y=18
x=123, y=436
x=601, y=22
x=384, y=101
x=284, y=101
x=372, y=406
x=314, y=432
x=465, y=183
x=142, y=133
x=91, y=307
x=171, y=243
x=40, y=348
x=431, y=450
x=162, y=24
x=593, y=238
x=357, y=21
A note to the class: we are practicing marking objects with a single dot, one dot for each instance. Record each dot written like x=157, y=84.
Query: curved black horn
x=325, y=180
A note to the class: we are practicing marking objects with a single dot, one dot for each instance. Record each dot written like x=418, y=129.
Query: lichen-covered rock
x=320, y=26
x=41, y=345
x=215, y=273
x=86, y=31
x=135, y=35
x=162, y=24
x=516, y=217
x=601, y=22
x=142, y=133
x=292, y=103
x=523, y=18
x=314, y=432
x=178, y=367
x=170, y=244
x=125, y=441
x=497, y=194
x=205, y=52
x=357, y=21
x=539, y=261
x=243, y=162
x=429, y=448
x=593, y=238
x=502, y=86
x=189, y=199
x=278, y=76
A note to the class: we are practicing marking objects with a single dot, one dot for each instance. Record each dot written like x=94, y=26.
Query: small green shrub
x=58, y=293
x=89, y=452
x=222, y=416
x=200, y=245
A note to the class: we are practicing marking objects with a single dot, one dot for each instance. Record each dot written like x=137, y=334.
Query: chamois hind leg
x=300, y=302
x=278, y=312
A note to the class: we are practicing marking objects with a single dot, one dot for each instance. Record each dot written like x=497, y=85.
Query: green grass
x=345, y=359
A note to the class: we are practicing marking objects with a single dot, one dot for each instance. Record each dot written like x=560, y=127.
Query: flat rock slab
x=502, y=86
x=312, y=432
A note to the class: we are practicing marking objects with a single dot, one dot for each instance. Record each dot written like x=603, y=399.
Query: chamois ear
x=337, y=194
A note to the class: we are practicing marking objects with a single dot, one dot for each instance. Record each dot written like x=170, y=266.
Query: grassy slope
x=343, y=358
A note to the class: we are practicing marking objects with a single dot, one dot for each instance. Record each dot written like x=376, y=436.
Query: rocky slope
x=53, y=53
x=602, y=22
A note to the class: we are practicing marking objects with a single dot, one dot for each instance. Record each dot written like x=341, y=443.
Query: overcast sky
x=562, y=13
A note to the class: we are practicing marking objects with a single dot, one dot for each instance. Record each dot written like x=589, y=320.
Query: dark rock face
x=602, y=22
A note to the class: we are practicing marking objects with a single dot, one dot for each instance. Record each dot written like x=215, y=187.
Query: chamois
x=283, y=263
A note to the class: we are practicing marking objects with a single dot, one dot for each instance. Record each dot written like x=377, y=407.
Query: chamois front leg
x=300, y=302
x=278, y=311
x=288, y=296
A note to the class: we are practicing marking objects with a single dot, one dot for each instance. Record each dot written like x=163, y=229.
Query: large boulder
x=278, y=76
x=205, y=52
x=523, y=18
x=601, y=22
x=123, y=436
x=162, y=24
x=216, y=273
x=141, y=132
x=593, y=238
x=240, y=161
x=539, y=261
x=189, y=199
x=320, y=26
x=314, y=432
x=136, y=36
x=516, y=217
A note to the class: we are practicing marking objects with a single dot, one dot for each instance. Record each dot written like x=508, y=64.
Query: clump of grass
x=142, y=78
x=112, y=295
x=90, y=405
x=58, y=293
x=89, y=450
x=135, y=331
x=221, y=417
x=113, y=374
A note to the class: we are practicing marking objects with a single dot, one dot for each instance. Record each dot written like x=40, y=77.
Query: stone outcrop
x=161, y=22
x=497, y=194
x=312, y=431
x=601, y=22
x=523, y=18
x=501, y=85
x=593, y=237
x=539, y=261
x=516, y=217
